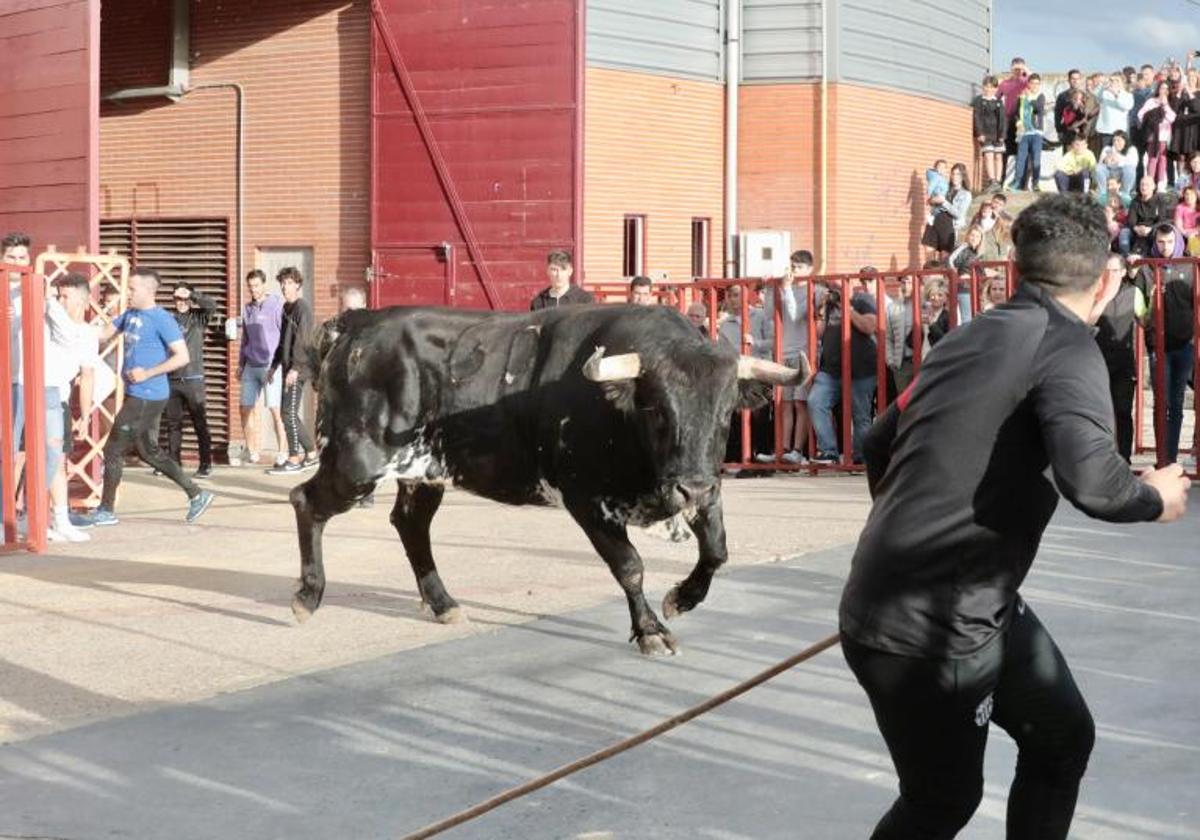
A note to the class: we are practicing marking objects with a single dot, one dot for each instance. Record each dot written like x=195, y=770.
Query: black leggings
x=299, y=441
x=934, y=717
x=188, y=394
x=136, y=427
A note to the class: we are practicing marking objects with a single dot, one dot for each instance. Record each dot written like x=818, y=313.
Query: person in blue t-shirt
x=154, y=347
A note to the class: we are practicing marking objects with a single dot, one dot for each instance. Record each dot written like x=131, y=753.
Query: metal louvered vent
x=195, y=251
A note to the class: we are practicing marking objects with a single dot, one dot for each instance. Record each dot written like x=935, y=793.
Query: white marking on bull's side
x=415, y=462
x=550, y=494
x=509, y=378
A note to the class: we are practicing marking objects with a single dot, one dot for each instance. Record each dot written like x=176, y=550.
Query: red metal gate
x=476, y=142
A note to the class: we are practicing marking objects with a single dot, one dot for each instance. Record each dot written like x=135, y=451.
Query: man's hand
x=271, y=376
x=137, y=374
x=293, y=375
x=1172, y=485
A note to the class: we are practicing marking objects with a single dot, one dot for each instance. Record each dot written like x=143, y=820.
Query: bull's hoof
x=301, y=610
x=658, y=644
x=677, y=602
x=451, y=615
x=454, y=615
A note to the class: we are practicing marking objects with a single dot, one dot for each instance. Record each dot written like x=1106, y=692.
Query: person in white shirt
x=72, y=350
x=1118, y=159
x=1115, y=104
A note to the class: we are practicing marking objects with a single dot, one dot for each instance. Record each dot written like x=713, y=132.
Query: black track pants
x=188, y=395
x=934, y=717
x=299, y=441
x=136, y=428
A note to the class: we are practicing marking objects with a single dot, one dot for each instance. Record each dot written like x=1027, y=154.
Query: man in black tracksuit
x=932, y=624
x=291, y=363
x=192, y=311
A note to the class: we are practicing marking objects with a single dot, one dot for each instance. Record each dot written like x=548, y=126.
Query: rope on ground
x=618, y=748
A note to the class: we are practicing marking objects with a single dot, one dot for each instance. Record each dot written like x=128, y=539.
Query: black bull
x=618, y=413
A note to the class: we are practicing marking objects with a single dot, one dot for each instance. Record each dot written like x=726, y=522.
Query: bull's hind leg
x=315, y=502
x=708, y=524
x=415, y=506
x=611, y=542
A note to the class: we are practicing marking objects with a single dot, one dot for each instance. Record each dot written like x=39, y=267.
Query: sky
x=1056, y=35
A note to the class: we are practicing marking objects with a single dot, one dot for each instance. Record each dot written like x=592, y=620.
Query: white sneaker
x=765, y=457
x=280, y=460
x=67, y=533
x=792, y=457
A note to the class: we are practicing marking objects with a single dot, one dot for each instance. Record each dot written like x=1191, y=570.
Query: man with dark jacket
x=192, y=312
x=560, y=292
x=291, y=362
x=1115, y=336
x=1178, y=326
x=1148, y=210
x=932, y=623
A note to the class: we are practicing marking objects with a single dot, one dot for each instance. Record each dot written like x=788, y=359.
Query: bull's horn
x=770, y=372
x=601, y=368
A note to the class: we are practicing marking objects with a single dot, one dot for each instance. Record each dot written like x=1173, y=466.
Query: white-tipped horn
x=601, y=368
x=770, y=372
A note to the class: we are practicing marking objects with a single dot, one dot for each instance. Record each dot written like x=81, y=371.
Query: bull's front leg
x=315, y=502
x=708, y=524
x=611, y=542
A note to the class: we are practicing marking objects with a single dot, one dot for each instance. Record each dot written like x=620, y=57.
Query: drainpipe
x=733, y=28
x=824, y=166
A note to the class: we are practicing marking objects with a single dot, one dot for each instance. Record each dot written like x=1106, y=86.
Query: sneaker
x=280, y=460
x=826, y=458
x=205, y=471
x=310, y=460
x=65, y=533
x=792, y=457
x=99, y=517
x=765, y=457
x=253, y=458
x=286, y=468
x=198, y=505
x=79, y=520
x=157, y=473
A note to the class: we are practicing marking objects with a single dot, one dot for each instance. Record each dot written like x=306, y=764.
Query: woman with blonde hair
x=997, y=237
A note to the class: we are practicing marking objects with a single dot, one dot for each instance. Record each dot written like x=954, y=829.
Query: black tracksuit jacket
x=958, y=475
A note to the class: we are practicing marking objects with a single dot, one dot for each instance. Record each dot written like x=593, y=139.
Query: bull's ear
x=753, y=394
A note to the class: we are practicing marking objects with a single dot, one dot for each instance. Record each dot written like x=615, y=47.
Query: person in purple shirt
x=262, y=322
x=154, y=346
x=1010, y=91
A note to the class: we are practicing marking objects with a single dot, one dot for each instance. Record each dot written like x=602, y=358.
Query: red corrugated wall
x=49, y=107
x=495, y=164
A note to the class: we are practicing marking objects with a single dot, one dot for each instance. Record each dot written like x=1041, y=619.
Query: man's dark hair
x=801, y=258
x=256, y=272
x=1015, y=60
x=1062, y=243
x=1149, y=67
x=72, y=280
x=1164, y=228
x=990, y=81
x=139, y=271
x=1033, y=76
x=1074, y=71
x=13, y=239
x=560, y=258
x=868, y=270
x=290, y=272
x=184, y=285
x=1120, y=132
x=1128, y=70
x=640, y=280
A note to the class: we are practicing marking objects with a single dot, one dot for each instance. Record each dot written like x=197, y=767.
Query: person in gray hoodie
x=793, y=296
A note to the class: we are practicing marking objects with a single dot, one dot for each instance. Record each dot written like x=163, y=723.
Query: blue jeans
x=1179, y=371
x=1029, y=153
x=1072, y=183
x=1127, y=174
x=825, y=394
x=964, y=301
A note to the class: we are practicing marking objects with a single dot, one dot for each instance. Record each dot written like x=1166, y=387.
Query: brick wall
x=653, y=145
x=305, y=68
x=778, y=161
x=881, y=144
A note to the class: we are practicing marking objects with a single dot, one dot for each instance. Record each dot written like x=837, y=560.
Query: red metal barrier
x=33, y=306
